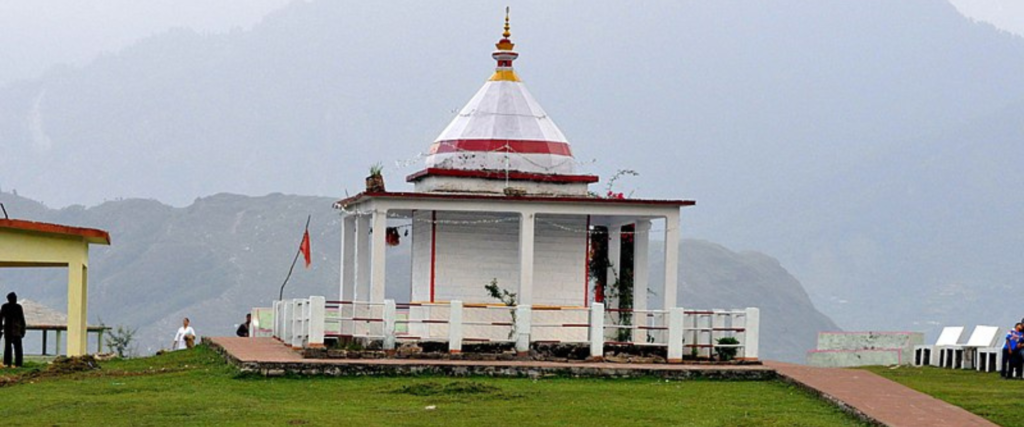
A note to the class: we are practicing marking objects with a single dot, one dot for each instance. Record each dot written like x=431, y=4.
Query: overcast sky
x=38, y=34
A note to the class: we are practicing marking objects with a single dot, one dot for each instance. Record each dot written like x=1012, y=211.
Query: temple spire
x=506, y=34
x=505, y=55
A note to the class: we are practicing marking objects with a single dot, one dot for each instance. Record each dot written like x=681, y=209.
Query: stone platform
x=269, y=357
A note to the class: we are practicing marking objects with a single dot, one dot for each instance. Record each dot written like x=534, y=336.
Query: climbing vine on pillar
x=620, y=290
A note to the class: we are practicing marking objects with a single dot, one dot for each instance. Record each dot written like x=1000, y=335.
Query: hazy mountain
x=214, y=259
x=869, y=145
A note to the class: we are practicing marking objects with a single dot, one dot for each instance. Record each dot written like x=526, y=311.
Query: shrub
x=727, y=353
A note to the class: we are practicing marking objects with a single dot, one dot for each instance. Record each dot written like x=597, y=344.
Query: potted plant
x=375, y=182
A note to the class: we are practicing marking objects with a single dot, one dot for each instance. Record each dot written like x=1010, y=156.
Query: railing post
x=275, y=329
x=751, y=333
x=597, y=330
x=523, y=325
x=675, y=334
x=455, y=327
x=286, y=322
x=297, y=329
x=389, y=324
x=317, y=307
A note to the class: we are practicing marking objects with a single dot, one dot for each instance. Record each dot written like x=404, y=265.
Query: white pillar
x=389, y=324
x=526, y=236
x=752, y=332
x=671, y=259
x=641, y=245
x=614, y=257
x=455, y=327
x=348, y=258
x=378, y=249
x=524, y=323
x=597, y=330
x=317, y=306
x=362, y=259
x=675, y=334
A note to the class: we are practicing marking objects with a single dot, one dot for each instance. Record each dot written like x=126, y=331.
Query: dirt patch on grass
x=60, y=366
x=458, y=388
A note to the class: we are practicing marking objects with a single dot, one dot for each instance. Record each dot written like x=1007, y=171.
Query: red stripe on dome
x=502, y=145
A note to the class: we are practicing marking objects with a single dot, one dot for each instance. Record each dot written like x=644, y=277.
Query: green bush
x=727, y=353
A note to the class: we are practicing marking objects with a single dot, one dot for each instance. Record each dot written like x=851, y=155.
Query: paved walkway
x=880, y=399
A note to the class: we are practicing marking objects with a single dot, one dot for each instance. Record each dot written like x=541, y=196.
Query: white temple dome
x=503, y=128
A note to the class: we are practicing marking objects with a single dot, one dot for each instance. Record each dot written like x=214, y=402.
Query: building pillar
x=348, y=258
x=77, y=305
x=671, y=259
x=526, y=240
x=614, y=257
x=362, y=259
x=378, y=250
x=641, y=246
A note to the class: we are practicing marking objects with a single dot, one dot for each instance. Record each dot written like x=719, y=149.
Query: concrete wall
x=845, y=349
x=851, y=358
x=863, y=340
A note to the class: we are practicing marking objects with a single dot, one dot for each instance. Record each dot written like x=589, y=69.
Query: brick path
x=877, y=398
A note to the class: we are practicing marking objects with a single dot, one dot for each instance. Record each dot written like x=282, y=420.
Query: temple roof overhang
x=496, y=202
x=503, y=175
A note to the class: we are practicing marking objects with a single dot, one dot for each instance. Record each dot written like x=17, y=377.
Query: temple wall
x=474, y=248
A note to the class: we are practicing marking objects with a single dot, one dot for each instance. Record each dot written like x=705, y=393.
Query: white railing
x=300, y=322
x=303, y=323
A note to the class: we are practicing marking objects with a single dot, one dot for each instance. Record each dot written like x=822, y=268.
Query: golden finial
x=506, y=34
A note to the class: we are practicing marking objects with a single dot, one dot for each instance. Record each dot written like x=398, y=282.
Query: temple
x=501, y=227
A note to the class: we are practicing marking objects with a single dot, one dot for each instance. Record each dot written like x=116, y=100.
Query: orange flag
x=304, y=248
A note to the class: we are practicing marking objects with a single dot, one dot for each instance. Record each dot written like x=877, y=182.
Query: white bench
x=983, y=337
x=930, y=355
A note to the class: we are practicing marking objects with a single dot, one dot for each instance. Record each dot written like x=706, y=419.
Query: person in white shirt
x=185, y=337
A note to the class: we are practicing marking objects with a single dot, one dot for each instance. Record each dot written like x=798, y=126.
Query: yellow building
x=37, y=244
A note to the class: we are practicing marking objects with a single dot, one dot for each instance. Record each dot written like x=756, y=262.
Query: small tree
x=506, y=297
x=121, y=340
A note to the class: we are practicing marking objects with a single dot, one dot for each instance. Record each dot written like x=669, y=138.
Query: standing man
x=12, y=317
x=185, y=337
x=1011, y=352
x=243, y=329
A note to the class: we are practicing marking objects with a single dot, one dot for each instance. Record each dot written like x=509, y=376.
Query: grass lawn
x=985, y=394
x=197, y=387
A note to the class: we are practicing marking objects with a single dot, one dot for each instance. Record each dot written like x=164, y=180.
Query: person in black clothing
x=12, y=319
x=243, y=329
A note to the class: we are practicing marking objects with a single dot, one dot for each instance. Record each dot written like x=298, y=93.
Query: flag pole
x=280, y=295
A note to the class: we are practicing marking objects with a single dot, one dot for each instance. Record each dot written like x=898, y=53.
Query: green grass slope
x=984, y=394
x=198, y=388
